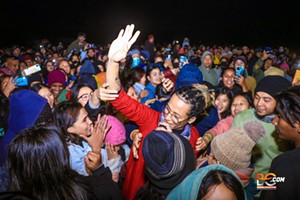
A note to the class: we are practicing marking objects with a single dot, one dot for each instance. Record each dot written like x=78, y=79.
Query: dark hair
x=288, y=105
x=76, y=90
x=217, y=177
x=229, y=93
x=38, y=164
x=81, y=34
x=247, y=96
x=36, y=87
x=149, y=69
x=137, y=74
x=65, y=114
x=197, y=97
x=147, y=192
x=225, y=69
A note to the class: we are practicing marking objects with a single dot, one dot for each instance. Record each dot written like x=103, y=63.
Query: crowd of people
x=148, y=121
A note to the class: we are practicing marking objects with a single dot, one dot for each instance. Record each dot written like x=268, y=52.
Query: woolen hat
x=233, y=148
x=169, y=158
x=189, y=74
x=272, y=85
x=56, y=76
x=117, y=133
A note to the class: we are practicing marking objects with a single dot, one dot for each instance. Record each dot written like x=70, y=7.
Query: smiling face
x=176, y=113
x=47, y=94
x=83, y=124
x=222, y=103
x=65, y=66
x=84, y=95
x=155, y=77
x=264, y=104
x=239, y=104
x=228, y=78
x=56, y=89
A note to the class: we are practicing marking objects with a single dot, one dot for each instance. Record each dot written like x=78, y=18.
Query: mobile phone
x=240, y=70
x=33, y=69
x=21, y=81
x=182, y=61
x=168, y=57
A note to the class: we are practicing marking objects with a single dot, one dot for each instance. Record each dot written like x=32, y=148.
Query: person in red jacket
x=183, y=108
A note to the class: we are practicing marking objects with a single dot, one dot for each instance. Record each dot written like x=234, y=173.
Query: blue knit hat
x=189, y=74
x=169, y=158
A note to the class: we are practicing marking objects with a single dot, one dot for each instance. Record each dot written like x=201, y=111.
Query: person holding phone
x=240, y=65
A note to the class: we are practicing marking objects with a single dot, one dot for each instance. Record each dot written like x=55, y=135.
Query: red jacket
x=147, y=120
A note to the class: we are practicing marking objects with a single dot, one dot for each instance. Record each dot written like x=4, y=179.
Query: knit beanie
x=242, y=58
x=233, y=148
x=284, y=65
x=116, y=134
x=56, y=76
x=189, y=74
x=272, y=85
x=169, y=158
x=274, y=71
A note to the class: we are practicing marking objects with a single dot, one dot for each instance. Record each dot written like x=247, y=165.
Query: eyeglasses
x=85, y=96
x=174, y=117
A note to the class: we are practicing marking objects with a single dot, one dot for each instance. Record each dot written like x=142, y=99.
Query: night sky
x=252, y=23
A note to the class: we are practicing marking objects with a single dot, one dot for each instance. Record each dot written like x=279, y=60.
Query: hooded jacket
x=25, y=108
x=209, y=75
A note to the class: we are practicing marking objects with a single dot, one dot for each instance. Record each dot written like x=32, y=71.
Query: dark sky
x=252, y=23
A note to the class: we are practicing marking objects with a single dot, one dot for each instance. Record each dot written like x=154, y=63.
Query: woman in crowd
x=240, y=103
x=224, y=97
x=35, y=152
x=45, y=92
x=211, y=182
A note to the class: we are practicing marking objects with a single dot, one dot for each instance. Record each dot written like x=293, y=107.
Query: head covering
x=87, y=68
x=169, y=158
x=258, y=50
x=134, y=51
x=145, y=54
x=272, y=85
x=284, y=65
x=34, y=77
x=242, y=58
x=189, y=187
x=233, y=148
x=117, y=133
x=274, y=71
x=56, y=76
x=189, y=74
x=26, y=57
x=25, y=109
x=204, y=55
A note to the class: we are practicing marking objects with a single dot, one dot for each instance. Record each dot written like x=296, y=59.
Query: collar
x=267, y=119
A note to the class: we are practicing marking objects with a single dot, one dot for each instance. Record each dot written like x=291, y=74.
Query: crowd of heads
x=52, y=110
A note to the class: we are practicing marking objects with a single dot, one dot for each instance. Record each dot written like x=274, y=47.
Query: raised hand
x=167, y=85
x=120, y=46
x=137, y=138
x=98, y=133
x=112, y=151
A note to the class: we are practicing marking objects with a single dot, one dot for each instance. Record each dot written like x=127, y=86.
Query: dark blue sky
x=223, y=22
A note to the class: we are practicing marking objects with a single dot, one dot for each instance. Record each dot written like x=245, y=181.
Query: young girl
x=240, y=103
x=223, y=101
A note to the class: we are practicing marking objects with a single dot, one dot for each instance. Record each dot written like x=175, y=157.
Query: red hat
x=56, y=76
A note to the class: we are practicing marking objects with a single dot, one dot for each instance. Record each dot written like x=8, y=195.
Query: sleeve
x=139, y=113
x=92, y=111
x=222, y=126
x=77, y=159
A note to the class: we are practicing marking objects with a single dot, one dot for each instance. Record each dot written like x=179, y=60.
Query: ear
x=192, y=120
x=71, y=129
x=297, y=125
x=148, y=78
